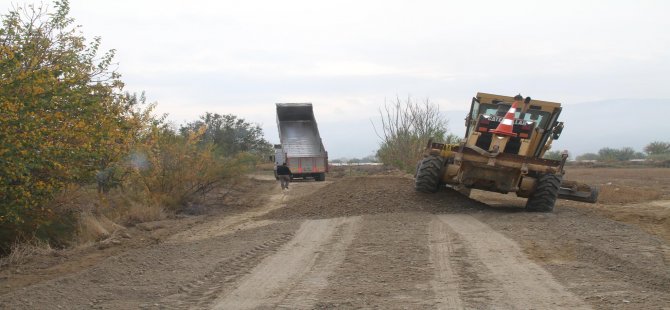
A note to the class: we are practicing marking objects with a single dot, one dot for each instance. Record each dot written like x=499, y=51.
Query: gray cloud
x=347, y=57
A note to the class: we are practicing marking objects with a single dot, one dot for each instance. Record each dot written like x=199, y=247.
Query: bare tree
x=406, y=126
x=657, y=147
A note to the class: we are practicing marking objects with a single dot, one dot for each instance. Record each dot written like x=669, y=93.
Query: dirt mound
x=373, y=195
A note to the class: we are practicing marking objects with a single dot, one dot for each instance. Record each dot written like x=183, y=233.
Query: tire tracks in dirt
x=224, y=276
x=293, y=276
x=490, y=269
x=228, y=224
x=201, y=292
x=445, y=282
x=385, y=267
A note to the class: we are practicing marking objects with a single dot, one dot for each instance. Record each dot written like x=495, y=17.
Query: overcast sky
x=348, y=57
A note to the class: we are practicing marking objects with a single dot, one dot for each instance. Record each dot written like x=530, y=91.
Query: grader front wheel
x=428, y=174
x=544, y=197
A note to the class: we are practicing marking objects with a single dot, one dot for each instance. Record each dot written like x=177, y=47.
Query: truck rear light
x=523, y=135
x=482, y=129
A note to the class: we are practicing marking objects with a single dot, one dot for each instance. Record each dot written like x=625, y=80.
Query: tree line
x=66, y=124
x=356, y=160
x=655, y=151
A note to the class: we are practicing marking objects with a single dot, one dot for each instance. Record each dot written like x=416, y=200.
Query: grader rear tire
x=428, y=174
x=544, y=197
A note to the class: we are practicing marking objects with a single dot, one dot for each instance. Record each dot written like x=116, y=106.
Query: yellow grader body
x=505, y=140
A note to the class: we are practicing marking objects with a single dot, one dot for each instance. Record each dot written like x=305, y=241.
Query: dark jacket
x=283, y=170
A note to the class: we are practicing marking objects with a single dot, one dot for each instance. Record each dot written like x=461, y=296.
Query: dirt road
x=372, y=242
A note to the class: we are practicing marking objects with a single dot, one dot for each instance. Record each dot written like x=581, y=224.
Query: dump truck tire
x=428, y=174
x=320, y=177
x=544, y=197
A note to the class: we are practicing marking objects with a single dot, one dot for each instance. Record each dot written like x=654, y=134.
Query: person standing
x=284, y=174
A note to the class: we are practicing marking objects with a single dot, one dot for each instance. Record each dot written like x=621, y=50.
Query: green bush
x=179, y=168
x=62, y=115
x=66, y=123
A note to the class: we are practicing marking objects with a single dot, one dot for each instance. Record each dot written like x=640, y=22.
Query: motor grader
x=505, y=141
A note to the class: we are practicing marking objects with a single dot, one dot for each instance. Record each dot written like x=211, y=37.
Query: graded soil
x=373, y=242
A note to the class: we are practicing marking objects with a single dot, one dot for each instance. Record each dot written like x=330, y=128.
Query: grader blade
x=576, y=191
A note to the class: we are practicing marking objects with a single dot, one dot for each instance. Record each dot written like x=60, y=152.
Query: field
x=365, y=239
x=639, y=196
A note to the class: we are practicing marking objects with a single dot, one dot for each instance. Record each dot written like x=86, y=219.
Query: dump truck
x=301, y=147
x=502, y=151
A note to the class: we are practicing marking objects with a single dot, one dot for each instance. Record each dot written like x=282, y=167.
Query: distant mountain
x=591, y=126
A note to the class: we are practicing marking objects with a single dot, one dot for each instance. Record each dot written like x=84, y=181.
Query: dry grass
x=23, y=252
x=130, y=209
x=95, y=227
x=90, y=228
x=139, y=213
x=265, y=167
x=100, y=215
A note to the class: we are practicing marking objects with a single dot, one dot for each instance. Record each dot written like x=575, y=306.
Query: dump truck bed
x=300, y=139
x=298, y=131
x=301, y=146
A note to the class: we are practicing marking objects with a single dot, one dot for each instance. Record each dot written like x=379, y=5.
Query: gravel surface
x=369, y=242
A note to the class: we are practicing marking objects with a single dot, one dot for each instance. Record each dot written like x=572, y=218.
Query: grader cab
x=505, y=141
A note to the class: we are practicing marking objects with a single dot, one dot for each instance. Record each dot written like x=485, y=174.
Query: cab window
x=532, y=115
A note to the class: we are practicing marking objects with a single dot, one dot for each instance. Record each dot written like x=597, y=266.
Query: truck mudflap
x=576, y=191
